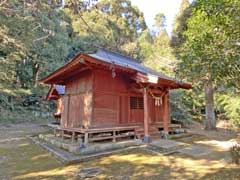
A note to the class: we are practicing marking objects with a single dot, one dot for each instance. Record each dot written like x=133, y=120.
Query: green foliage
x=18, y=105
x=180, y=25
x=155, y=48
x=4, y=100
x=210, y=49
x=32, y=41
x=205, y=38
x=145, y=42
x=160, y=21
x=229, y=104
x=113, y=24
x=179, y=111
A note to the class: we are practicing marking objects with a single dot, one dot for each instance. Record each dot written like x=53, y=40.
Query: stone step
x=166, y=147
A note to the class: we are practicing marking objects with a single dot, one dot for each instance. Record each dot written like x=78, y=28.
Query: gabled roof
x=107, y=58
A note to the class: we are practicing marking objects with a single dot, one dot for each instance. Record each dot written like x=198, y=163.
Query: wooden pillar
x=114, y=136
x=146, y=116
x=166, y=113
x=62, y=134
x=55, y=132
x=85, y=138
x=73, y=136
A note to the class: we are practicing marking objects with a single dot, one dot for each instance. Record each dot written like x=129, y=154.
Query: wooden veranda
x=109, y=133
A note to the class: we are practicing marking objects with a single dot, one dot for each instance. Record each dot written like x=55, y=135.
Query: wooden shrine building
x=109, y=92
x=55, y=93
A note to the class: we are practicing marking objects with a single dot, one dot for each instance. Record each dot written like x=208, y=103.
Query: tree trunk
x=210, y=122
x=35, y=71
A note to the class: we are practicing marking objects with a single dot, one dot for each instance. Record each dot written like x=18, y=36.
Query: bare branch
x=41, y=38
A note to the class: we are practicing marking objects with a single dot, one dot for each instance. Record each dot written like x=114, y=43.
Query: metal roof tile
x=124, y=61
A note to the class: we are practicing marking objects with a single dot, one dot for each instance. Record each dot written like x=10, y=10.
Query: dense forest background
x=39, y=36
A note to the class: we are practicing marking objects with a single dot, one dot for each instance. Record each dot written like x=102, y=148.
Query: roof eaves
x=61, y=69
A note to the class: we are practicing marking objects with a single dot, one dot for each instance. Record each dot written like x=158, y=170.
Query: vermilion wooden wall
x=111, y=105
x=77, y=101
x=96, y=99
x=107, y=92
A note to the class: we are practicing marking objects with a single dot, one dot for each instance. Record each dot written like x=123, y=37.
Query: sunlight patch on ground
x=40, y=156
x=222, y=145
x=11, y=139
x=57, y=172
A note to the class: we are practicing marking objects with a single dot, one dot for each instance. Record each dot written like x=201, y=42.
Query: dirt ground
x=21, y=159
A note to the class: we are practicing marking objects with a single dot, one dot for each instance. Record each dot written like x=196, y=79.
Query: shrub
x=179, y=110
x=230, y=105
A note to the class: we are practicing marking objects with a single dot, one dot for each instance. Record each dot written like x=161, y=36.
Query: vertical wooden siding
x=81, y=84
x=77, y=101
x=104, y=82
x=105, y=111
x=64, y=115
x=108, y=101
x=124, y=109
x=112, y=101
x=76, y=110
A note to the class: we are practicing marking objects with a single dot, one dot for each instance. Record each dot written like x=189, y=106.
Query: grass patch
x=223, y=174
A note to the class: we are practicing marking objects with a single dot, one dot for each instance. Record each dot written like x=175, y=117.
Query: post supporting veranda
x=146, y=116
x=166, y=113
x=85, y=138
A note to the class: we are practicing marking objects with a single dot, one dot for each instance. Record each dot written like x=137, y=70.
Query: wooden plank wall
x=112, y=101
x=81, y=84
x=105, y=111
x=124, y=109
x=64, y=115
x=104, y=82
x=77, y=102
x=107, y=90
x=76, y=113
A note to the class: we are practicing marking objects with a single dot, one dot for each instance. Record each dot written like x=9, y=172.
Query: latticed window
x=136, y=102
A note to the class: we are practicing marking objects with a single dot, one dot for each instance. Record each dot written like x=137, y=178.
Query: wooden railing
x=96, y=134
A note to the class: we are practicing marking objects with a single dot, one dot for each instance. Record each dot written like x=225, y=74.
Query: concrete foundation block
x=92, y=148
x=73, y=148
x=146, y=139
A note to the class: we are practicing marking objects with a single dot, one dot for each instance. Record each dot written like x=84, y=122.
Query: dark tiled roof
x=124, y=61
